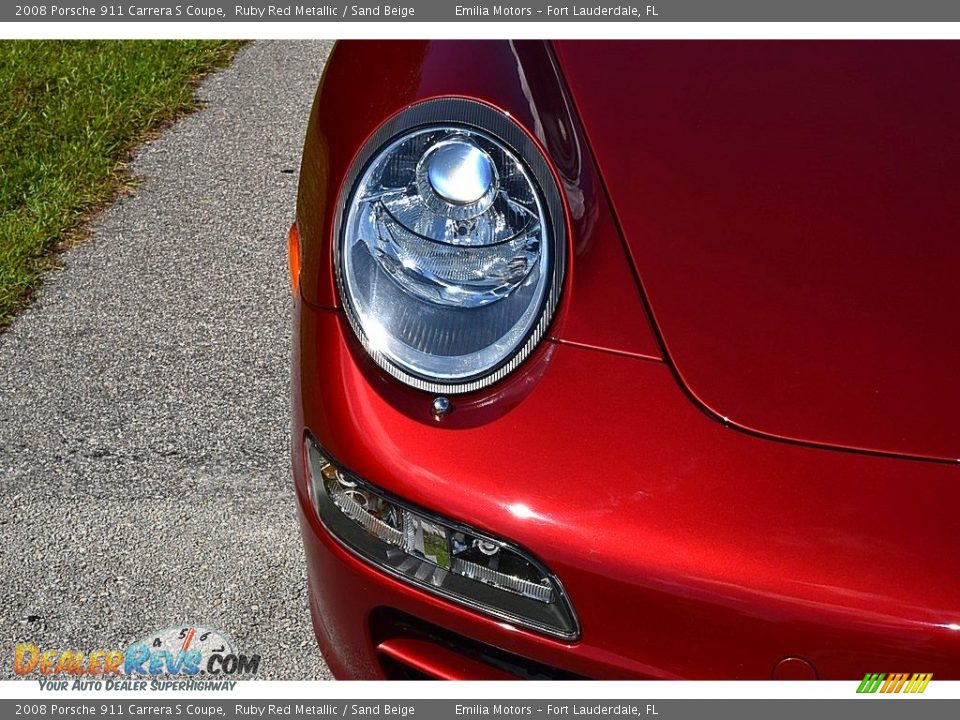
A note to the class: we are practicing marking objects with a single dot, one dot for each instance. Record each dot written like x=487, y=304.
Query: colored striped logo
x=894, y=682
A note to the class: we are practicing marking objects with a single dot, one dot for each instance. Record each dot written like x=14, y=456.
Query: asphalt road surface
x=144, y=396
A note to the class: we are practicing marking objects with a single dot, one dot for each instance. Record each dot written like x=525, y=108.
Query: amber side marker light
x=293, y=256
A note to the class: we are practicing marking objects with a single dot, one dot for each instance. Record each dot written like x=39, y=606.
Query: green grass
x=70, y=113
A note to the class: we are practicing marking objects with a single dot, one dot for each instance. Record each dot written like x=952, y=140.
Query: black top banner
x=451, y=11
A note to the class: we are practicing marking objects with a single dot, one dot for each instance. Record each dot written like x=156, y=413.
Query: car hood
x=793, y=212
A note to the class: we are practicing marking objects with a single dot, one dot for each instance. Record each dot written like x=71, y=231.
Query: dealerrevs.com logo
x=894, y=682
x=202, y=658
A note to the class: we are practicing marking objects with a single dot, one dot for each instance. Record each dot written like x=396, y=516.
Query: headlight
x=437, y=554
x=450, y=246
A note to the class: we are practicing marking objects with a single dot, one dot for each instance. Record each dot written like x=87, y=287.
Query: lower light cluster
x=437, y=554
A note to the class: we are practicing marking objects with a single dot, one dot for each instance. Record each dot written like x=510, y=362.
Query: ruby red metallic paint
x=688, y=548
x=794, y=211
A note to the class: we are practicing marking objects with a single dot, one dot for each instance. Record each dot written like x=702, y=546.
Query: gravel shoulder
x=144, y=395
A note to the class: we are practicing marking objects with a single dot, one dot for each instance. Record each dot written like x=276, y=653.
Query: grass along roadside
x=70, y=114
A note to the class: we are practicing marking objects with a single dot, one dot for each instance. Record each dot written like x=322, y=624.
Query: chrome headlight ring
x=471, y=263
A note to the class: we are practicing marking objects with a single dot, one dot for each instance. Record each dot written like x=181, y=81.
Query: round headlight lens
x=449, y=259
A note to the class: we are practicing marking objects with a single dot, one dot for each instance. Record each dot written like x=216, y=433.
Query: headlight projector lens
x=450, y=247
x=461, y=174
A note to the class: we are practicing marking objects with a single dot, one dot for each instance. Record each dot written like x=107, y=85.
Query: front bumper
x=688, y=549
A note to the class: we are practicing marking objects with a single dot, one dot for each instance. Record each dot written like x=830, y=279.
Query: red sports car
x=631, y=360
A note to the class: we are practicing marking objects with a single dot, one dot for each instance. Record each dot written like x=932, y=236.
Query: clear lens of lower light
x=436, y=554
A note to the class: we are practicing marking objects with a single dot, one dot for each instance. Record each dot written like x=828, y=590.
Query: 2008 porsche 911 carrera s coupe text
x=631, y=360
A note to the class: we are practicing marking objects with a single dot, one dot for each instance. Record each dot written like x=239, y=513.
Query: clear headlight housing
x=450, y=248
